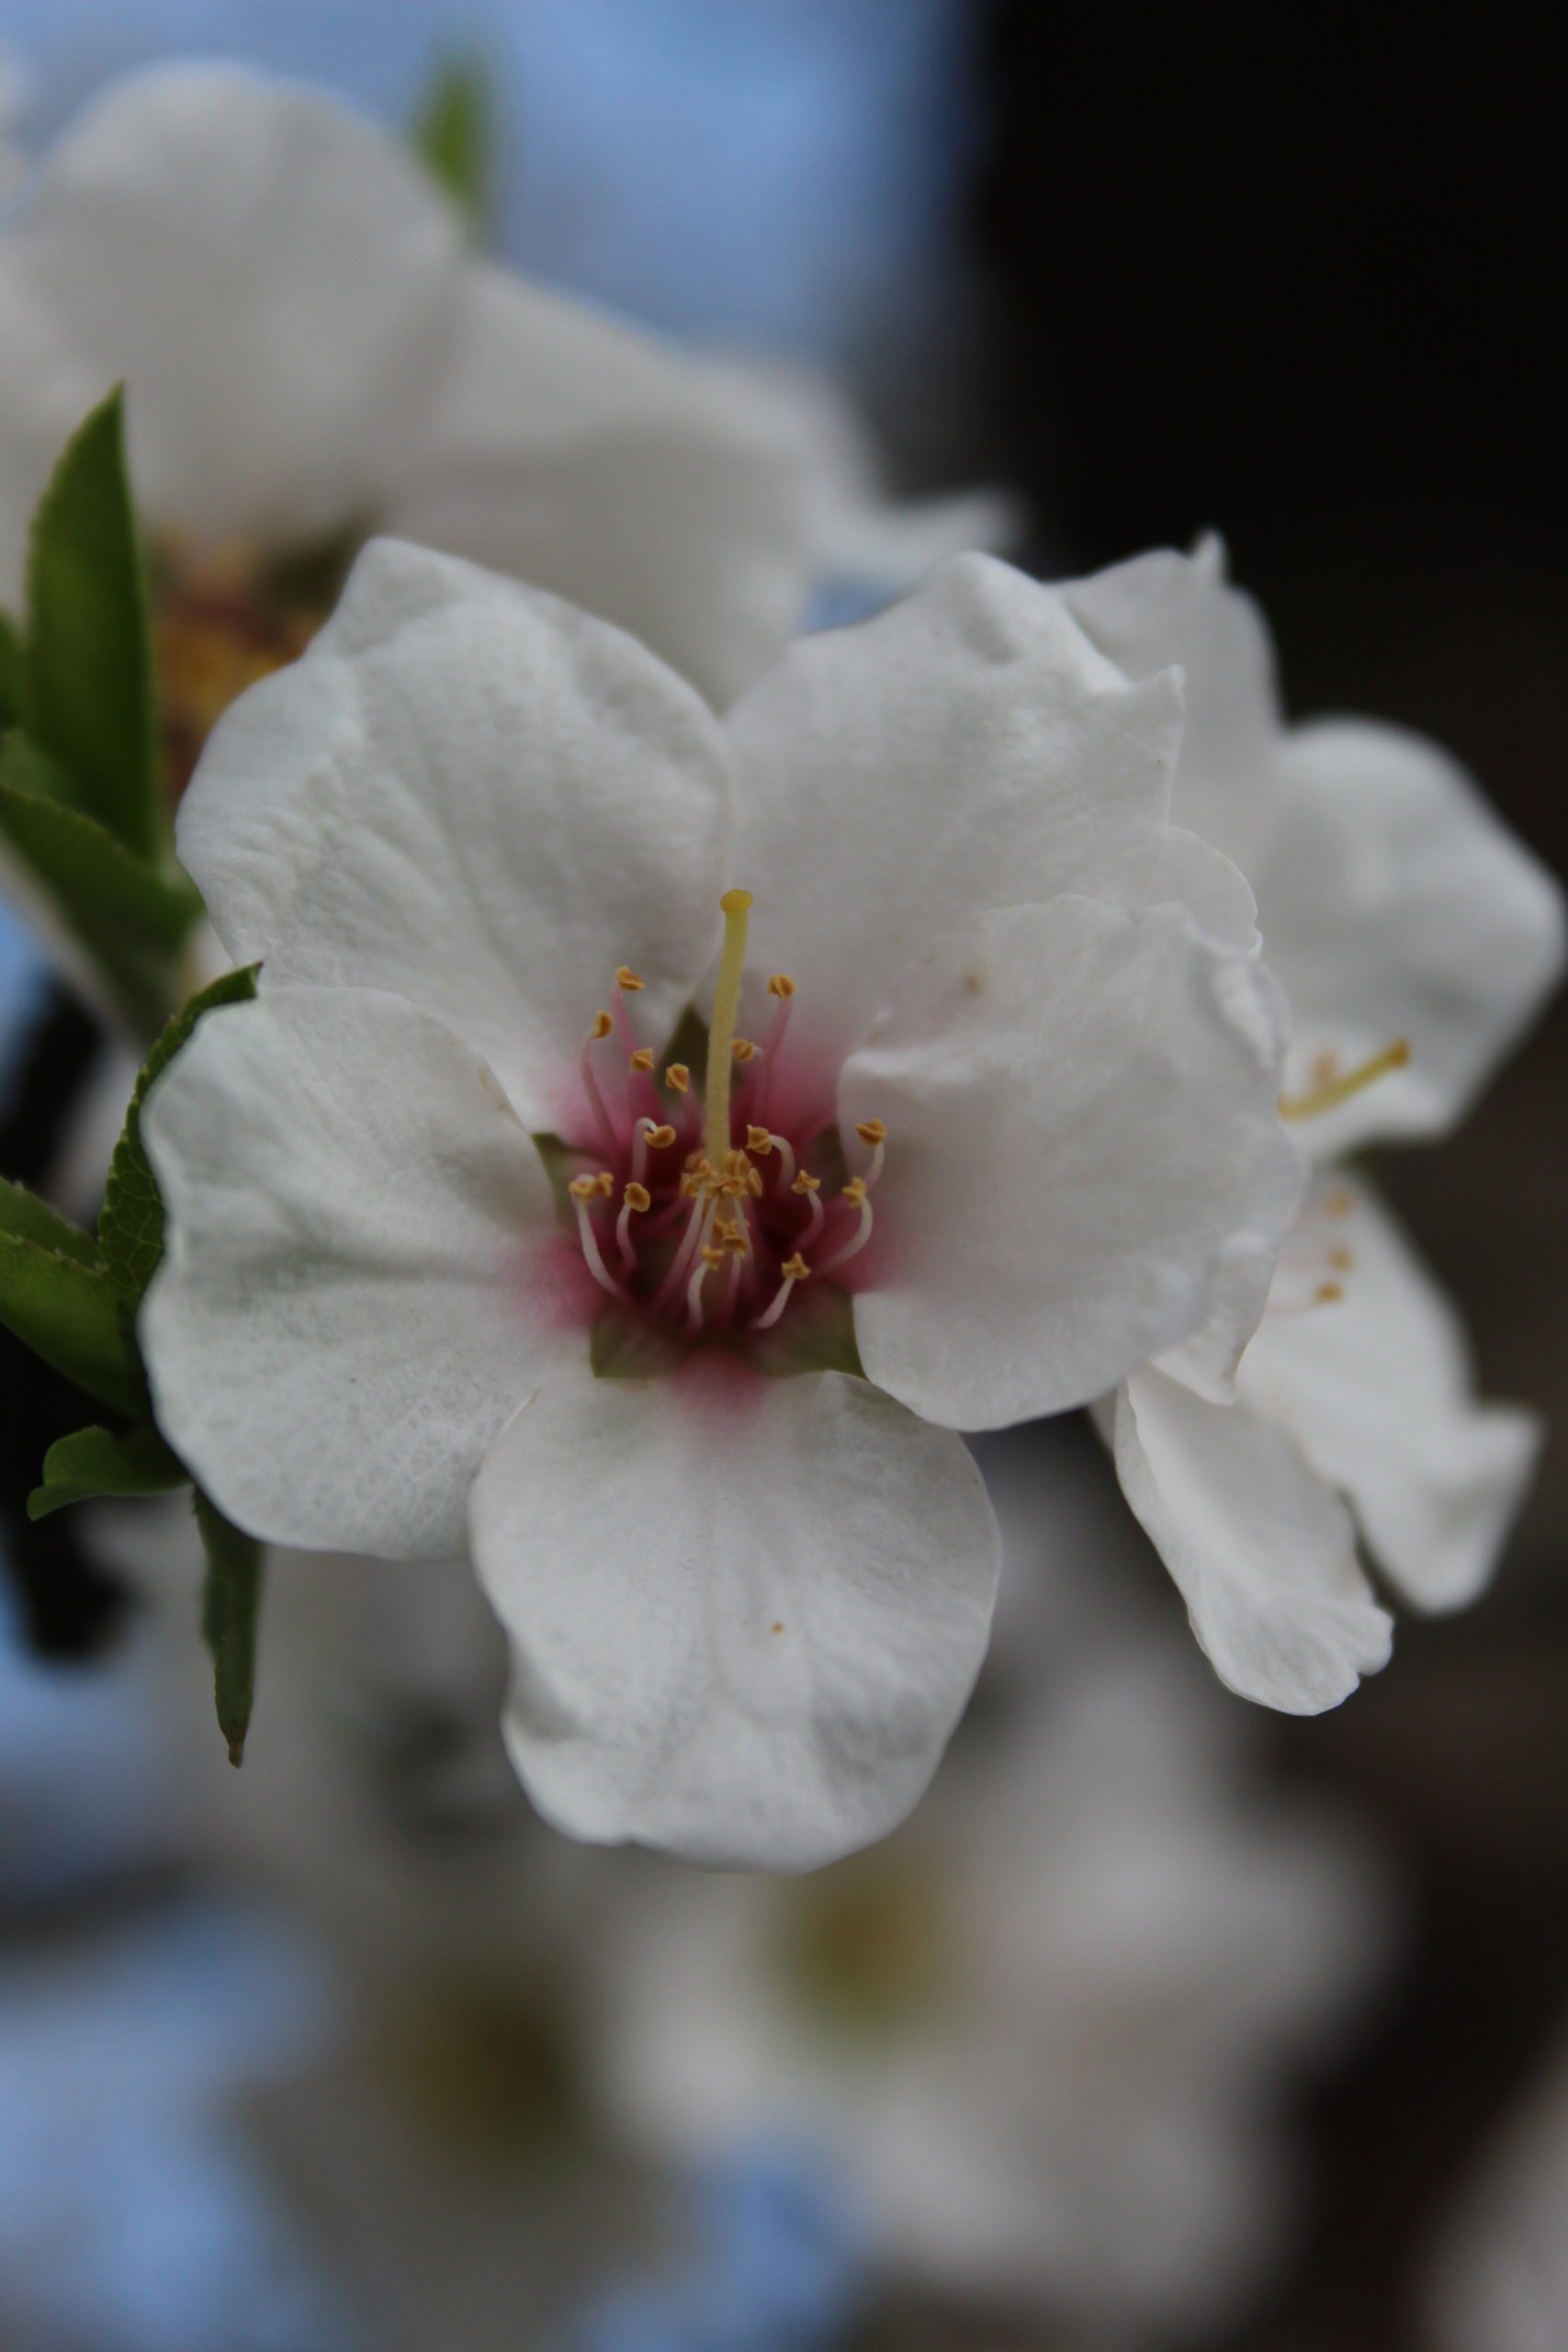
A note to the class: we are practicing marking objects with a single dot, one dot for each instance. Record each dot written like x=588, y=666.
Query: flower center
x=708, y=1221
x=221, y=622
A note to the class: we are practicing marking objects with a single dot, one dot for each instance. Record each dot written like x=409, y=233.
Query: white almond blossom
x=745, y=1610
x=1046, y=2033
x=1415, y=938
x=311, y=352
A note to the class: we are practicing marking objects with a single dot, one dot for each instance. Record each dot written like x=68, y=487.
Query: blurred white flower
x=745, y=1611
x=1047, y=2032
x=1415, y=939
x=312, y=353
x=1501, y=2284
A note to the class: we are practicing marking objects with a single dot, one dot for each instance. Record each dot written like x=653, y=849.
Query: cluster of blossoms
x=945, y=1085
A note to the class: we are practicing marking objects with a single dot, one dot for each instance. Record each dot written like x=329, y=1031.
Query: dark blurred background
x=1290, y=273
x=1296, y=274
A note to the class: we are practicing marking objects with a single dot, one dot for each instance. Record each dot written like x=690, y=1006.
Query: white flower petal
x=1260, y=1550
x=744, y=1620
x=1376, y=1389
x=1166, y=607
x=1395, y=904
x=1080, y=1100
x=1215, y=893
x=355, y=1293
x=589, y=460
x=274, y=278
x=967, y=748
x=475, y=797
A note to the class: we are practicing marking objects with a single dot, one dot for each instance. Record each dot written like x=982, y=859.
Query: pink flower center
x=706, y=1217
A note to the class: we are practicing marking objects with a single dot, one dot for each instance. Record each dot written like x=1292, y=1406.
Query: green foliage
x=230, y=1607
x=30, y=1219
x=88, y=694
x=454, y=134
x=13, y=672
x=95, y=1461
x=129, y=919
x=130, y=1230
x=69, y=1313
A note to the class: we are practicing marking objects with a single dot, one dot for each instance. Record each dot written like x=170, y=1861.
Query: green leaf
x=130, y=921
x=90, y=696
x=94, y=1462
x=68, y=1314
x=454, y=134
x=230, y=1602
x=13, y=672
x=23, y=1214
x=130, y=1230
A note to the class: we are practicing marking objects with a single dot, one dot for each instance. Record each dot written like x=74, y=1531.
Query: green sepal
x=92, y=1462
x=30, y=1219
x=454, y=133
x=70, y=1314
x=130, y=1229
x=89, y=694
x=13, y=672
x=624, y=1346
x=230, y=1603
x=815, y=1333
x=129, y=919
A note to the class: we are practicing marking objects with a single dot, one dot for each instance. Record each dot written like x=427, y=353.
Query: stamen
x=642, y=1060
x=603, y=1025
x=1329, y=1096
x=854, y=1193
x=780, y=988
x=810, y=1189
x=873, y=1132
x=634, y=1202
x=736, y=907
x=626, y=978
x=763, y=1143
x=793, y=1270
x=742, y=1051
x=583, y=1190
x=707, y=1258
x=679, y=1077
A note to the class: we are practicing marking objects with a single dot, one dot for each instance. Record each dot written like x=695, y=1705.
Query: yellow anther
x=806, y=1182
x=796, y=1268
x=679, y=1077
x=710, y=1256
x=734, y=906
x=735, y=1162
x=854, y=1191
x=603, y=1025
x=661, y=1139
x=1328, y=1292
x=754, y=1182
x=583, y=1188
x=626, y=978
x=871, y=1131
x=781, y=985
x=638, y=1198
x=1329, y=1096
x=743, y=1050
x=737, y=1243
x=1342, y=1259
x=690, y=1186
x=605, y=1184
x=696, y=1162
x=759, y=1140
x=643, y=1058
